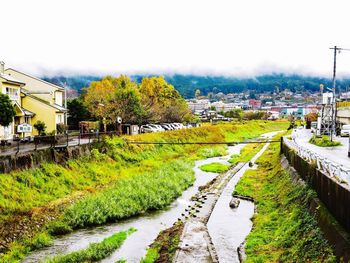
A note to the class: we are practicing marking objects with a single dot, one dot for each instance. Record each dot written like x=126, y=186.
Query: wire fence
x=12, y=147
x=334, y=170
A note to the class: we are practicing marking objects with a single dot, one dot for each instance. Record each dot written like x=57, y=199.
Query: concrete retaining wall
x=333, y=232
x=334, y=196
x=33, y=159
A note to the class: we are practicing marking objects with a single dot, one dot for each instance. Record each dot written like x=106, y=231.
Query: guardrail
x=334, y=170
x=13, y=147
x=322, y=176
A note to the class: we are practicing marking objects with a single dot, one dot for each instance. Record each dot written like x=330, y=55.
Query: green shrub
x=151, y=256
x=213, y=151
x=40, y=240
x=95, y=251
x=59, y=228
x=214, y=167
x=323, y=141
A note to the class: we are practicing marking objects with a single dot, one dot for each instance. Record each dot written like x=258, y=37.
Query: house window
x=59, y=119
x=12, y=93
x=27, y=119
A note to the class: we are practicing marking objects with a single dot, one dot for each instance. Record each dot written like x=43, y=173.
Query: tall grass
x=95, y=251
x=119, y=179
x=246, y=153
x=284, y=230
x=132, y=195
x=24, y=190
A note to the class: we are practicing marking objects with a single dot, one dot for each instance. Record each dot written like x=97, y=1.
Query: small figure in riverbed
x=250, y=164
x=234, y=203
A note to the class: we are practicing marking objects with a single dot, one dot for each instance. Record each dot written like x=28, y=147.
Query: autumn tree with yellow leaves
x=154, y=100
x=162, y=102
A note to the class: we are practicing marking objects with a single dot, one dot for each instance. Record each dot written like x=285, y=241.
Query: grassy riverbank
x=95, y=251
x=247, y=153
x=118, y=180
x=214, y=167
x=284, y=230
x=163, y=249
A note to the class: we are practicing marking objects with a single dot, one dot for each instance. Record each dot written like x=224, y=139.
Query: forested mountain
x=187, y=84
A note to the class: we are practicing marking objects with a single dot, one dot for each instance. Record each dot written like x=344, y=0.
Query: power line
x=210, y=143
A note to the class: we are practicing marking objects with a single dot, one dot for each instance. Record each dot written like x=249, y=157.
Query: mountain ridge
x=187, y=84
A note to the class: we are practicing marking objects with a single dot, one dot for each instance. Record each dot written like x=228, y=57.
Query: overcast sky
x=222, y=37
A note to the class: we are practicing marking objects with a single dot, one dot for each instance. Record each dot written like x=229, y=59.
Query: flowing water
x=149, y=225
x=229, y=227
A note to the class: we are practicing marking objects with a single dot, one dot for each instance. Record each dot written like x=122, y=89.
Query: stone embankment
x=34, y=159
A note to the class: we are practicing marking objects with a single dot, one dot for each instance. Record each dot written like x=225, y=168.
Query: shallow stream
x=149, y=225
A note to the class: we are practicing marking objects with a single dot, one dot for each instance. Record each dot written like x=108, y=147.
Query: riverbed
x=150, y=224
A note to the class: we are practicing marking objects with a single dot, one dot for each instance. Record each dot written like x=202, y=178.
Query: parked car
x=158, y=127
x=161, y=127
x=313, y=126
x=173, y=125
x=167, y=127
x=179, y=125
x=345, y=130
x=148, y=128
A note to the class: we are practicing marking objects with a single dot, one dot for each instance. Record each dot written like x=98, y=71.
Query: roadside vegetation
x=117, y=181
x=95, y=251
x=323, y=141
x=214, y=167
x=283, y=228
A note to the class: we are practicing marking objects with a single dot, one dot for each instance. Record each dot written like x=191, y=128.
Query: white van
x=345, y=130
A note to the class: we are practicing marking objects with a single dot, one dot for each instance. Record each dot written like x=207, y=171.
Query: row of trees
x=246, y=115
x=153, y=100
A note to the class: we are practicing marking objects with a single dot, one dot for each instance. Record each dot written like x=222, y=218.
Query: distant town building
x=198, y=105
x=255, y=104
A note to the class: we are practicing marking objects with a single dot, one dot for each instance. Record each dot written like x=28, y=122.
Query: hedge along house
x=34, y=100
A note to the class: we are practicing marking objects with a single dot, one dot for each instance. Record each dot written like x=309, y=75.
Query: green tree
x=210, y=96
x=252, y=95
x=162, y=102
x=197, y=93
x=98, y=97
x=77, y=112
x=255, y=115
x=234, y=113
x=128, y=105
x=7, y=111
x=40, y=126
x=112, y=97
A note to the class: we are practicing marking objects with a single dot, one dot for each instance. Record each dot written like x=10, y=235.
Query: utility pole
x=334, y=102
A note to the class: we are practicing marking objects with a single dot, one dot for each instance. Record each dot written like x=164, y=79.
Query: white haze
x=202, y=37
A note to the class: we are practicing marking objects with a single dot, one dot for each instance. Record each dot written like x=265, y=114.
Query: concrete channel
x=216, y=232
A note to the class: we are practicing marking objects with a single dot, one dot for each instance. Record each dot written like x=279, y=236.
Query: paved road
x=338, y=154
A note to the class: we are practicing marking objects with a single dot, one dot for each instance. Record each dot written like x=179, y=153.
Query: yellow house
x=34, y=100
